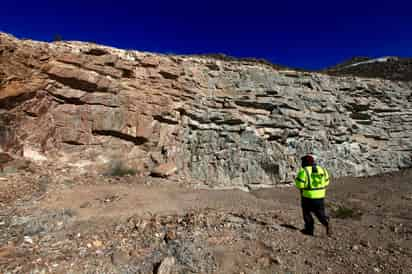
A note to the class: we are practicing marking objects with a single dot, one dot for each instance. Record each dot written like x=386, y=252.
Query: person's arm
x=300, y=180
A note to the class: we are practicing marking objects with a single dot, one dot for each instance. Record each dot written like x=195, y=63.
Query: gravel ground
x=106, y=225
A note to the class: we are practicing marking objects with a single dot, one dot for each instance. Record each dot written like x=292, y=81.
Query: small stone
x=264, y=261
x=97, y=243
x=85, y=205
x=235, y=219
x=309, y=263
x=377, y=269
x=277, y=260
x=407, y=197
x=355, y=248
x=167, y=266
x=161, y=235
x=277, y=227
x=170, y=236
x=27, y=239
x=99, y=252
x=365, y=243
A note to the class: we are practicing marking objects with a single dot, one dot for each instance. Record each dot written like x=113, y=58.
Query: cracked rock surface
x=218, y=123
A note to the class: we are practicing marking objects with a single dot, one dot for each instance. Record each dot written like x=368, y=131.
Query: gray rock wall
x=255, y=123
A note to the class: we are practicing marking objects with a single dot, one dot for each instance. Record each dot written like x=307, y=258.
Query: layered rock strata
x=222, y=123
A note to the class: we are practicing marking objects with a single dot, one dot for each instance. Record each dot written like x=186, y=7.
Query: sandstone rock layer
x=220, y=123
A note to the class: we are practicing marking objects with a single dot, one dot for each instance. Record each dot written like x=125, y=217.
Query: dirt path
x=132, y=228
x=128, y=200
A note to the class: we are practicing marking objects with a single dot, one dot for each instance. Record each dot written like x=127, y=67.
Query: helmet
x=307, y=160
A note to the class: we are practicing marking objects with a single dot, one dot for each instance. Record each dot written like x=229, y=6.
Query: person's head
x=307, y=160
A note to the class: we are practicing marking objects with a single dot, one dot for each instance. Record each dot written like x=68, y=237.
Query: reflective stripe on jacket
x=312, y=182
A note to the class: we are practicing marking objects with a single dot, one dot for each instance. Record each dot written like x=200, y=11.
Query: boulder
x=164, y=170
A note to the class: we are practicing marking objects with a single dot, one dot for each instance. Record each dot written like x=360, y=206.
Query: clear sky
x=306, y=34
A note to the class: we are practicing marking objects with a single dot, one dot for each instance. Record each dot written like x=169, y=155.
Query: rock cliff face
x=223, y=123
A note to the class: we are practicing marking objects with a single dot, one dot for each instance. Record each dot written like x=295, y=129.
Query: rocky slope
x=391, y=68
x=82, y=106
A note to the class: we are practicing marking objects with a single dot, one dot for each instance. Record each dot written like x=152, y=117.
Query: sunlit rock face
x=199, y=119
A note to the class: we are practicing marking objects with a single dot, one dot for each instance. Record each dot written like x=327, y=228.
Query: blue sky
x=306, y=34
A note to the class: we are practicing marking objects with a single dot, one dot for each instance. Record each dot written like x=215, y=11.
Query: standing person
x=312, y=181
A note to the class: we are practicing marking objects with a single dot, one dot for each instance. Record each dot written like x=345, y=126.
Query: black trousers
x=317, y=207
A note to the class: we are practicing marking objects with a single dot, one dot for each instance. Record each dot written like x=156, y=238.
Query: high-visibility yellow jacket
x=312, y=183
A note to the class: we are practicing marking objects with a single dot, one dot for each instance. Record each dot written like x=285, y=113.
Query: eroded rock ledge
x=223, y=123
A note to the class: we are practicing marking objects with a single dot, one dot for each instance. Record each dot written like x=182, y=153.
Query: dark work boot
x=307, y=232
x=329, y=230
